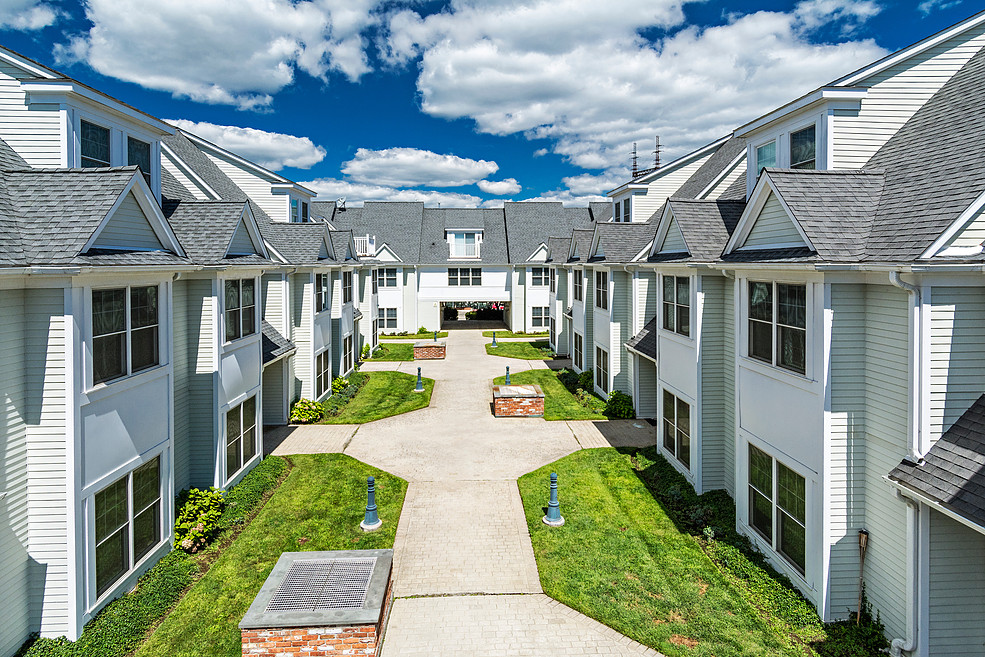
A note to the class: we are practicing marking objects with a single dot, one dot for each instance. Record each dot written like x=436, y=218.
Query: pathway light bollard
x=553, y=517
x=435, y=336
x=494, y=339
x=420, y=383
x=372, y=521
x=507, y=375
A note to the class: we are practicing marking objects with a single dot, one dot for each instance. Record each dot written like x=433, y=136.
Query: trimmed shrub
x=198, y=518
x=424, y=329
x=339, y=384
x=586, y=380
x=334, y=404
x=245, y=496
x=306, y=411
x=365, y=352
x=568, y=379
x=619, y=406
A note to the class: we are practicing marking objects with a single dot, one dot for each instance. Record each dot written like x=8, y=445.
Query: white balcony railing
x=465, y=250
x=365, y=246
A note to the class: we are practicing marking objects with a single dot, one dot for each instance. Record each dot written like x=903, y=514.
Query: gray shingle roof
x=835, y=208
x=530, y=224
x=645, y=341
x=582, y=237
x=300, y=243
x=204, y=168
x=935, y=167
x=559, y=248
x=773, y=255
x=340, y=243
x=273, y=344
x=706, y=226
x=953, y=471
x=712, y=168
x=735, y=191
x=396, y=224
x=173, y=190
x=600, y=210
x=621, y=242
x=434, y=245
x=205, y=228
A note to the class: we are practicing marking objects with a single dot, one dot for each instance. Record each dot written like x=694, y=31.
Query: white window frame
x=553, y=280
x=128, y=330
x=539, y=277
x=476, y=236
x=775, y=325
x=578, y=349
x=323, y=292
x=323, y=372
x=776, y=153
x=675, y=452
x=817, y=137
x=109, y=133
x=348, y=358
x=602, y=372
x=225, y=310
x=601, y=290
x=675, y=306
x=469, y=280
x=773, y=542
x=257, y=433
x=578, y=285
x=346, y=287
x=539, y=316
x=384, y=277
x=150, y=155
x=387, y=317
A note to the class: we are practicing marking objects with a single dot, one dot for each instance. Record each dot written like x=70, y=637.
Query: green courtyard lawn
x=620, y=559
x=393, y=351
x=510, y=334
x=559, y=404
x=535, y=350
x=384, y=394
x=318, y=507
x=415, y=336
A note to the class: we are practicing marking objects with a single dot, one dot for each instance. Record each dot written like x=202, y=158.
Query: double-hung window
x=125, y=331
x=240, y=309
x=347, y=355
x=138, y=153
x=553, y=277
x=128, y=522
x=94, y=145
x=765, y=156
x=778, y=506
x=241, y=436
x=602, y=290
x=299, y=211
x=387, y=317
x=578, y=284
x=677, y=304
x=626, y=217
x=677, y=428
x=602, y=369
x=540, y=316
x=579, y=350
x=376, y=281
x=464, y=276
x=778, y=324
x=323, y=372
x=553, y=334
x=465, y=245
x=803, y=148
x=347, y=287
x=538, y=276
x=322, y=292
x=387, y=277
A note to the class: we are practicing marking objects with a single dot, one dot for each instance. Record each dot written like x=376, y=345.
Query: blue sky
x=462, y=103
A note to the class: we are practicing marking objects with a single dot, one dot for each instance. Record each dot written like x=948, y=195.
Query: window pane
x=790, y=492
x=249, y=320
x=109, y=357
x=802, y=148
x=111, y=508
x=669, y=432
x=143, y=306
x=793, y=541
x=761, y=471
x=250, y=412
x=138, y=153
x=766, y=156
x=233, y=423
x=792, y=349
x=683, y=320
x=791, y=302
x=684, y=448
x=669, y=316
x=249, y=444
x=248, y=285
x=112, y=560
x=669, y=406
x=233, y=458
x=761, y=514
x=761, y=301
x=683, y=416
x=761, y=341
x=108, y=311
x=146, y=530
x=144, y=343
x=95, y=145
x=683, y=294
x=232, y=324
x=232, y=295
x=147, y=484
x=668, y=288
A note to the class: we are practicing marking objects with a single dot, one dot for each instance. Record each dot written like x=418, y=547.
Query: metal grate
x=314, y=585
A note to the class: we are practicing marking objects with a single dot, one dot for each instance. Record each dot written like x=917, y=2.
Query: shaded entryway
x=485, y=315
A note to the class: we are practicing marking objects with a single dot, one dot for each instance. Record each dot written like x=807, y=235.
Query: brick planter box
x=283, y=622
x=429, y=350
x=518, y=401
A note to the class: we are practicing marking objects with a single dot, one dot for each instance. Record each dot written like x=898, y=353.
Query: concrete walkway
x=470, y=588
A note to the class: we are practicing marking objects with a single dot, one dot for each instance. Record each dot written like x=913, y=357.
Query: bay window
x=778, y=324
x=778, y=507
x=241, y=436
x=677, y=304
x=677, y=428
x=125, y=331
x=240, y=313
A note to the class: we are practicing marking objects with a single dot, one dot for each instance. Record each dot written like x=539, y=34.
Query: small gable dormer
x=246, y=239
x=540, y=254
x=134, y=223
x=324, y=253
x=669, y=237
x=767, y=223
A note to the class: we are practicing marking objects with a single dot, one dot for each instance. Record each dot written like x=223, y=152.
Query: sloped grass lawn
x=621, y=560
x=415, y=336
x=534, y=350
x=318, y=507
x=393, y=351
x=510, y=334
x=559, y=404
x=383, y=395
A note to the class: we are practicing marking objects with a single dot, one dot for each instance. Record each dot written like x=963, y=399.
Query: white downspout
x=899, y=646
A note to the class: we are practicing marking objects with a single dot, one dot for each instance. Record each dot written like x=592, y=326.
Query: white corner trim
x=176, y=160
x=966, y=217
x=721, y=176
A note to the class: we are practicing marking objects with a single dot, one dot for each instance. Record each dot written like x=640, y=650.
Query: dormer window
x=138, y=153
x=622, y=211
x=299, y=211
x=803, y=148
x=465, y=245
x=765, y=156
x=95, y=146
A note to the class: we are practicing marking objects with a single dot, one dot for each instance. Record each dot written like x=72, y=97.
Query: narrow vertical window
x=94, y=144
x=602, y=290
x=761, y=492
x=109, y=334
x=765, y=156
x=677, y=304
x=138, y=153
x=677, y=428
x=602, y=369
x=144, y=328
x=761, y=321
x=241, y=436
x=321, y=292
x=577, y=285
x=803, y=148
x=625, y=212
x=347, y=287
x=578, y=361
x=778, y=507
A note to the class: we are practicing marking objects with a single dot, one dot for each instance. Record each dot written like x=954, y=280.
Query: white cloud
x=412, y=167
x=927, y=7
x=503, y=187
x=587, y=184
x=27, y=14
x=355, y=194
x=578, y=72
x=272, y=150
x=237, y=52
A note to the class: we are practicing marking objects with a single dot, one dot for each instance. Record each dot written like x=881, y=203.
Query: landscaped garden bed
x=393, y=351
x=506, y=335
x=533, y=350
x=422, y=335
x=364, y=397
x=559, y=403
x=642, y=553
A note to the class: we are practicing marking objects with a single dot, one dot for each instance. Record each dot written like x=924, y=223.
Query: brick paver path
x=465, y=577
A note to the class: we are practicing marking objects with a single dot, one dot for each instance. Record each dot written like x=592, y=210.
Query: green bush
x=619, y=406
x=586, y=380
x=306, y=411
x=198, y=518
x=334, y=404
x=339, y=384
x=365, y=352
x=568, y=379
x=245, y=496
x=424, y=329
x=123, y=624
x=589, y=400
x=847, y=639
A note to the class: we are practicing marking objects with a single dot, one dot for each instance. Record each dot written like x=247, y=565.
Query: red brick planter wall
x=433, y=351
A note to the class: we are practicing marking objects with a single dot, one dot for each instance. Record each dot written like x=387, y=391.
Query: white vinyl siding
x=664, y=184
x=241, y=243
x=254, y=186
x=895, y=95
x=14, y=559
x=184, y=180
x=719, y=188
x=36, y=134
x=728, y=383
x=846, y=482
x=128, y=228
x=973, y=234
x=773, y=227
x=956, y=623
x=46, y=452
x=716, y=431
x=957, y=359
x=302, y=291
x=674, y=240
